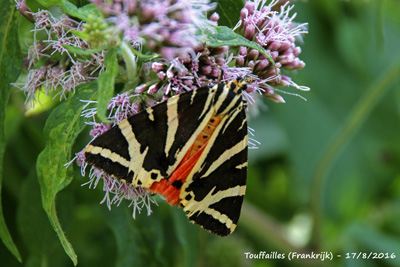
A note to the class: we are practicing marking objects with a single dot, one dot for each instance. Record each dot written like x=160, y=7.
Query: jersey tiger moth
x=191, y=148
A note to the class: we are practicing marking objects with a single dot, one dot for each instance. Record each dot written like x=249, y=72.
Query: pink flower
x=276, y=32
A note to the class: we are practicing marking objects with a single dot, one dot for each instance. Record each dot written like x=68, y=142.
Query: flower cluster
x=169, y=57
x=50, y=65
x=167, y=27
x=276, y=33
x=202, y=67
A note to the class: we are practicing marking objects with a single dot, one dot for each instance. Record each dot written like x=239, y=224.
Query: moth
x=191, y=148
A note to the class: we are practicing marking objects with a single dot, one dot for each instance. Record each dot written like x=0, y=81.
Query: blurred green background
x=326, y=176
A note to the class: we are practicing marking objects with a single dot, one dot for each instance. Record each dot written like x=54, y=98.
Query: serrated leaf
x=10, y=62
x=91, y=9
x=61, y=129
x=82, y=13
x=80, y=51
x=82, y=35
x=106, y=82
x=222, y=35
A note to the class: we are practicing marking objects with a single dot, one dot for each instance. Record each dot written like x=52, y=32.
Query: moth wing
x=148, y=146
x=213, y=193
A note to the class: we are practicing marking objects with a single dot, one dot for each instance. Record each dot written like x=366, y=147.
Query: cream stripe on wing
x=232, y=104
x=222, y=218
x=221, y=98
x=231, y=117
x=194, y=93
x=172, y=122
x=150, y=113
x=108, y=154
x=137, y=158
x=194, y=206
x=241, y=166
x=210, y=98
x=224, y=157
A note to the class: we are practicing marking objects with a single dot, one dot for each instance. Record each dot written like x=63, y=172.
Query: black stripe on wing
x=152, y=134
x=208, y=222
x=114, y=141
x=230, y=174
x=226, y=175
x=110, y=167
x=229, y=207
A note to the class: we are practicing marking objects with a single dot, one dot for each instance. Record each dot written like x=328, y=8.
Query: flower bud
x=157, y=67
x=161, y=75
x=249, y=32
x=261, y=65
x=153, y=89
x=214, y=17
x=253, y=55
x=141, y=88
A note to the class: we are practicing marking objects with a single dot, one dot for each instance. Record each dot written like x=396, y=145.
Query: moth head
x=240, y=85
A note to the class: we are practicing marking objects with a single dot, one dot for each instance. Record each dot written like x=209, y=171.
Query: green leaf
x=62, y=127
x=33, y=224
x=80, y=51
x=106, y=82
x=80, y=34
x=130, y=62
x=145, y=57
x=185, y=234
x=10, y=62
x=129, y=238
x=47, y=3
x=372, y=240
x=91, y=9
x=43, y=102
x=222, y=35
x=82, y=13
x=229, y=12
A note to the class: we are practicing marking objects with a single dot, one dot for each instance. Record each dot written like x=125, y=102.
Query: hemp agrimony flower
x=276, y=32
x=51, y=66
x=167, y=27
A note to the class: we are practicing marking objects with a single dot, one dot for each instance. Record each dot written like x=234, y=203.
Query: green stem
x=356, y=118
x=265, y=228
x=269, y=233
x=55, y=223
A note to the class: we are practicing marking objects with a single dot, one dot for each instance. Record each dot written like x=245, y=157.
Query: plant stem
x=265, y=228
x=356, y=118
